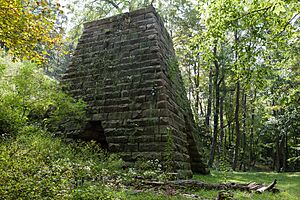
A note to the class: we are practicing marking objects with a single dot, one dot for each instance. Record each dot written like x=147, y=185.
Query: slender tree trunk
x=286, y=151
x=191, y=90
x=230, y=128
x=217, y=108
x=232, y=135
x=209, y=101
x=237, y=127
x=244, y=138
x=251, y=153
x=197, y=102
x=283, y=151
x=236, y=115
x=227, y=135
x=222, y=134
x=197, y=83
x=277, y=154
x=201, y=108
x=251, y=144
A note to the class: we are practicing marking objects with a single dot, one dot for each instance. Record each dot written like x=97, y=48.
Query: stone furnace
x=124, y=67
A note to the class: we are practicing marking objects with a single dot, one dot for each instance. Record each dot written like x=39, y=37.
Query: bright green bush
x=28, y=96
x=35, y=165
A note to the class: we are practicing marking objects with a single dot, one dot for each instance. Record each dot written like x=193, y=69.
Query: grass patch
x=152, y=196
x=287, y=183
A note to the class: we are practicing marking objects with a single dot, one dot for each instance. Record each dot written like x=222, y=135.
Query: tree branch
x=259, y=188
x=220, y=81
x=252, y=12
x=289, y=22
x=109, y=2
x=113, y=4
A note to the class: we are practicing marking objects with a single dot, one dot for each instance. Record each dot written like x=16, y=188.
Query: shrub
x=27, y=96
x=36, y=166
x=33, y=164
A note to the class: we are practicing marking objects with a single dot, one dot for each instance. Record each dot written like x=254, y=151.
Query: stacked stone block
x=124, y=67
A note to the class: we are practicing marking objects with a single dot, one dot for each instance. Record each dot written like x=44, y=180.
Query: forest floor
x=34, y=165
x=287, y=183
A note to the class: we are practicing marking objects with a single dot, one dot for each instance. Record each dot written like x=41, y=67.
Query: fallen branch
x=267, y=188
x=259, y=188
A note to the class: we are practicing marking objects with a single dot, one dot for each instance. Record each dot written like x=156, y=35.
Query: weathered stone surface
x=124, y=68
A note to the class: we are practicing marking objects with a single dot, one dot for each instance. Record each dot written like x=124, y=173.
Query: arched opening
x=95, y=131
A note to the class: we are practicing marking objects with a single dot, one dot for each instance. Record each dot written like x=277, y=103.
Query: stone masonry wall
x=124, y=67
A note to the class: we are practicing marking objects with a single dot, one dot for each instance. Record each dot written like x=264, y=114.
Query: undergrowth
x=35, y=165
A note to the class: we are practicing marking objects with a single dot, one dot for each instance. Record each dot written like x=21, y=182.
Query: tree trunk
x=230, y=128
x=197, y=83
x=283, y=153
x=236, y=115
x=222, y=132
x=251, y=144
x=209, y=101
x=217, y=108
x=237, y=127
x=244, y=138
x=191, y=90
x=201, y=108
x=277, y=154
x=286, y=152
x=227, y=138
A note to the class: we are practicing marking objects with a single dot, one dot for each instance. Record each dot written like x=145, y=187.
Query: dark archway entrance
x=95, y=131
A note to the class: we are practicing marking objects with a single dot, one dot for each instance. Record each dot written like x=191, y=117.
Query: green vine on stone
x=173, y=69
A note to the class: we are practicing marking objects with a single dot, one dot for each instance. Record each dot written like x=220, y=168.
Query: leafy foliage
x=33, y=163
x=245, y=50
x=26, y=24
x=39, y=101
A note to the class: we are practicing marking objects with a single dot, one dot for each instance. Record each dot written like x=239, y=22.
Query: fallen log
x=267, y=188
x=259, y=188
